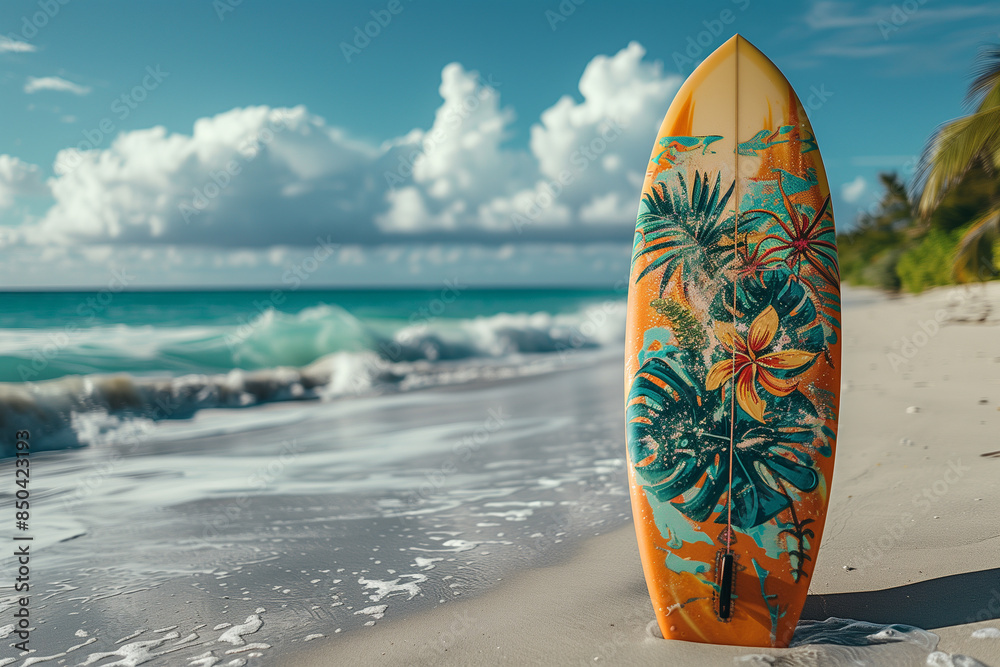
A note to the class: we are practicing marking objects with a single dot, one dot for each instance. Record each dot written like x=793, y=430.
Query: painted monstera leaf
x=767, y=460
x=678, y=441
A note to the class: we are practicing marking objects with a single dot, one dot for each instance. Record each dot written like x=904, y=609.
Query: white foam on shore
x=458, y=546
x=419, y=561
x=375, y=611
x=235, y=634
x=522, y=512
x=62, y=654
x=135, y=653
x=839, y=642
x=383, y=589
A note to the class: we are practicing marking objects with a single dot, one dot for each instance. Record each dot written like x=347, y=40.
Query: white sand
x=915, y=515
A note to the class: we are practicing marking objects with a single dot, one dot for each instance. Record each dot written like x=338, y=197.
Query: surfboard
x=732, y=364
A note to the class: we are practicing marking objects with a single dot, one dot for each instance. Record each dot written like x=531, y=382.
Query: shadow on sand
x=935, y=603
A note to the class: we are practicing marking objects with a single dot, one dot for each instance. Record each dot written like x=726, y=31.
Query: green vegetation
x=950, y=231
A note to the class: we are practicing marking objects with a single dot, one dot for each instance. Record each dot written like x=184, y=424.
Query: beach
x=912, y=536
x=394, y=345
x=474, y=510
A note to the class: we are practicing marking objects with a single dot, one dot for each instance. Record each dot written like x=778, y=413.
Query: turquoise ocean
x=75, y=364
x=298, y=463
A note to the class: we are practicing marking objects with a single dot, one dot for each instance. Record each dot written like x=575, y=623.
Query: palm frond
x=974, y=258
x=956, y=145
x=952, y=150
x=987, y=77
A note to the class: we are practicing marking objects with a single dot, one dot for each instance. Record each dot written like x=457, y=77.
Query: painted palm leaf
x=686, y=229
x=678, y=440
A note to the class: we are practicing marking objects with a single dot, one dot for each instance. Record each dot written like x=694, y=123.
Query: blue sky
x=218, y=143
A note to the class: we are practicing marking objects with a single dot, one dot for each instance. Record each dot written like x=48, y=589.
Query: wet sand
x=913, y=535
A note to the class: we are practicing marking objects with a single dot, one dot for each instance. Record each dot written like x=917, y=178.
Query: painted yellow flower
x=751, y=363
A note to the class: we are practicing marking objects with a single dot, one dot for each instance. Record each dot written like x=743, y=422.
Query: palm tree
x=957, y=147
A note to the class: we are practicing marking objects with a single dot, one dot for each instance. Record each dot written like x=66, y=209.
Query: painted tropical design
x=679, y=411
x=686, y=228
x=732, y=359
x=732, y=370
x=746, y=309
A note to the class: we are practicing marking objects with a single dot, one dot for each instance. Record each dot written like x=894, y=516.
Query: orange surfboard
x=732, y=366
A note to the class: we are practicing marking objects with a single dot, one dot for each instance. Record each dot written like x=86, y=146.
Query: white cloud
x=829, y=14
x=8, y=45
x=459, y=164
x=248, y=177
x=261, y=176
x=853, y=191
x=18, y=178
x=34, y=84
x=863, y=31
x=107, y=265
x=604, y=141
x=586, y=164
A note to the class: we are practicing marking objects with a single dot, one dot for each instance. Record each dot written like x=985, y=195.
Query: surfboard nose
x=741, y=42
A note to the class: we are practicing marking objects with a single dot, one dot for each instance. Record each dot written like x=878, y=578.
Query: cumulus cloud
x=604, y=140
x=18, y=178
x=8, y=45
x=586, y=162
x=459, y=163
x=34, y=84
x=250, y=177
x=262, y=176
x=853, y=191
